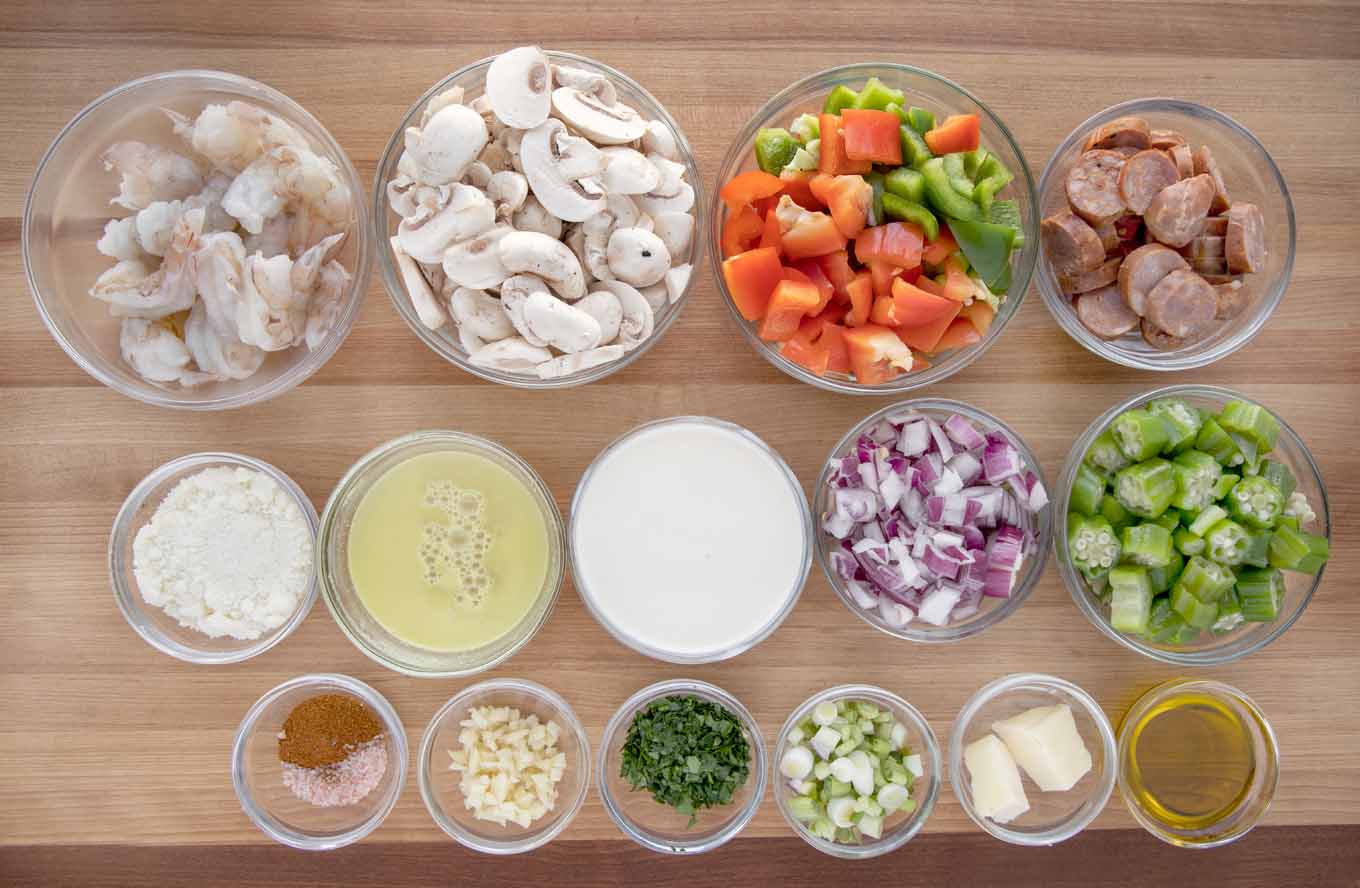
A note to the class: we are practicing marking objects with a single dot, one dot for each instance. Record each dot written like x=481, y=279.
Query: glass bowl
x=940, y=95
x=68, y=204
x=444, y=341
x=271, y=806
x=992, y=610
x=1208, y=650
x=659, y=827
x=726, y=651
x=1255, y=800
x=1250, y=175
x=897, y=830
x=337, y=586
x=439, y=786
x=1053, y=816
x=155, y=626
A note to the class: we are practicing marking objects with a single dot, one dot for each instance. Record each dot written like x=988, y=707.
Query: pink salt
x=343, y=783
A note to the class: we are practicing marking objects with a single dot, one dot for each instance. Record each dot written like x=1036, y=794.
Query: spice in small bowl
x=332, y=750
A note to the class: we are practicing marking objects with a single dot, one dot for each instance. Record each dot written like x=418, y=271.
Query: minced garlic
x=510, y=765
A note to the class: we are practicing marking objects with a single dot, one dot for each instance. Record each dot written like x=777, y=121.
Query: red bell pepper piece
x=980, y=315
x=813, y=357
x=814, y=234
x=914, y=307
x=833, y=337
x=837, y=268
x=847, y=197
x=797, y=186
x=939, y=249
x=897, y=243
x=751, y=277
x=861, y=289
x=883, y=275
x=790, y=301
x=957, y=285
x=741, y=231
x=812, y=272
x=876, y=354
x=770, y=235
x=958, y=132
x=959, y=333
x=746, y=188
x=926, y=337
x=832, y=159
x=871, y=135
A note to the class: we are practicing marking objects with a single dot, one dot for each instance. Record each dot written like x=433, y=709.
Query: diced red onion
x=914, y=507
x=937, y=604
x=967, y=466
x=839, y=526
x=894, y=614
x=844, y=564
x=961, y=431
x=892, y=488
x=882, y=433
x=970, y=600
x=999, y=583
x=861, y=594
x=1038, y=496
x=914, y=439
x=857, y=504
x=973, y=536
x=902, y=417
x=942, y=445
x=939, y=564
x=1000, y=461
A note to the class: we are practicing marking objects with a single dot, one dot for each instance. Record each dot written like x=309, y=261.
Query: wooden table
x=114, y=758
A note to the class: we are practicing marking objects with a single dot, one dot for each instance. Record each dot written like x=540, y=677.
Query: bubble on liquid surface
x=453, y=551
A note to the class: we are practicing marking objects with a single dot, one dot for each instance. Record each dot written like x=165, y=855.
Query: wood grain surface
x=107, y=744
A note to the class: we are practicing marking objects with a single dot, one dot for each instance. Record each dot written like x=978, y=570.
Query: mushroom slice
x=558, y=167
x=637, y=257
x=676, y=280
x=470, y=341
x=676, y=231
x=478, y=174
x=480, y=314
x=515, y=291
x=656, y=204
x=418, y=289
x=508, y=189
x=670, y=174
x=638, y=318
x=549, y=259
x=586, y=81
x=568, y=364
x=532, y=216
x=629, y=172
x=476, y=263
x=564, y=327
x=603, y=122
x=451, y=96
x=655, y=296
x=605, y=308
x=518, y=85
x=513, y=355
x=444, y=147
x=467, y=214
x=658, y=139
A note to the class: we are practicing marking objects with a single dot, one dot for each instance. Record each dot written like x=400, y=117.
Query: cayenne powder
x=325, y=729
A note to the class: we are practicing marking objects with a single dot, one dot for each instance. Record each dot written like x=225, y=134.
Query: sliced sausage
x=1206, y=246
x=1217, y=279
x=1216, y=226
x=1143, y=175
x=1182, y=304
x=1159, y=338
x=1184, y=159
x=1104, y=313
x=1164, y=139
x=1109, y=236
x=1143, y=269
x=1103, y=274
x=1205, y=165
x=1071, y=245
x=1210, y=265
x=1177, y=213
x=1121, y=132
x=1231, y=299
x=1093, y=186
x=1245, y=241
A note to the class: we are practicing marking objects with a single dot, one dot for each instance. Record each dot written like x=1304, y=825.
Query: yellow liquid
x=448, y=551
x=1191, y=763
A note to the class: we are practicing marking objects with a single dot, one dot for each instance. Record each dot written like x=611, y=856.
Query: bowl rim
x=1039, y=558
x=1015, y=296
x=932, y=747
x=1059, y=305
x=1076, y=588
x=354, y=297
x=553, y=518
x=392, y=726
x=1108, y=775
x=757, y=772
x=391, y=279
x=795, y=592
x=537, y=838
x=120, y=536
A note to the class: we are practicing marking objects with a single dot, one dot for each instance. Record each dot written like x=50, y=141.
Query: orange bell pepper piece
x=813, y=357
x=751, y=277
x=815, y=234
x=958, y=132
x=959, y=333
x=812, y=272
x=837, y=268
x=849, y=199
x=939, y=249
x=741, y=231
x=926, y=337
x=832, y=159
x=929, y=285
x=915, y=307
x=871, y=135
x=980, y=315
x=861, y=290
x=833, y=337
x=897, y=243
x=797, y=186
x=957, y=285
x=876, y=354
x=746, y=188
x=883, y=274
x=790, y=301
x=769, y=234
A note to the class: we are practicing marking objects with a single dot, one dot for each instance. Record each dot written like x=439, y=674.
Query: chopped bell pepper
x=957, y=284
x=958, y=178
x=987, y=246
x=833, y=337
x=1146, y=488
x=1197, y=475
x=1227, y=542
x=798, y=186
x=972, y=162
x=861, y=290
x=906, y=183
x=958, y=334
x=1255, y=502
x=1293, y=549
x=897, y=243
x=926, y=337
x=770, y=234
x=804, y=128
x=774, y=149
x=849, y=199
x=958, y=132
x=839, y=99
x=920, y=119
x=903, y=210
x=942, y=195
x=812, y=357
x=833, y=160
x=917, y=307
x=1260, y=592
x=1007, y=212
x=751, y=277
x=878, y=95
x=915, y=153
x=836, y=267
x=1087, y=490
x=883, y=274
x=1147, y=544
x=741, y=231
x=813, y=234
x=746, y=188
x=876, y=354
x=878, y=184
x=1130, y=599
x=1105, y=454
x=980, y=315
x=811, y=270
x=1139, y=434
x=790, y=301
x=1251, y=421
x=871, y=135
x=985, y=191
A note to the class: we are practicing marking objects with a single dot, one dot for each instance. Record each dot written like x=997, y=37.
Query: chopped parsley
x=689, y=753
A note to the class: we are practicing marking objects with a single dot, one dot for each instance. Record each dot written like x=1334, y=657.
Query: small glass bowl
x=1208, y=650
x=444, y=341
x=1265, y=754
x=1250, y=175
x=656, y=826
x=671, y=656
x=155, y=626
x=256, y=772
x=992, y=610
x=439, y=786
x=940, y=95
x=343, y=601
x=1053, y=817
x=68, y=205
x=898, y=830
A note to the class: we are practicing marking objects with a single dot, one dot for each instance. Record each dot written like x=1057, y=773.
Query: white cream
x=689, y=538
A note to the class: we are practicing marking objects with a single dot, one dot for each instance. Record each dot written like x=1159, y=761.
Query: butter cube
x=995, y=781
x=1045, y=743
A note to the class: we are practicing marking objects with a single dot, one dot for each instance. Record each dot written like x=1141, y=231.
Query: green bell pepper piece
x=1163, y=578
x=985, y=191
x=991, y=167
x=1093, y=545
x=1105, y=454
x=1207, y=519
x=906, y=211
x=1299, y=550
x=876, y=182
x=953, y=166
x=1130, y=599
x=1197, y=475
x=942, y=195
x=1193, y=610
x=877, y=95
x=915, y=153
x=805, y=128
x=1147, y=544
x=1087, y=490
x=1255, y=502
x=1260, y=592
x=1213, y=440
x=1227, y=542
x=1140, y=434
x=1252, y=422
x=1146, y=488
x=972, y=162
x=1183, y=422
x=987, y=246
x=1279, y=474
x=1229, y=614
x=907, y=184
x=1186, y=542
x=920, y=120
x=839, y=99
x=774, y=149
x=1118, y=516
x=1007, y=212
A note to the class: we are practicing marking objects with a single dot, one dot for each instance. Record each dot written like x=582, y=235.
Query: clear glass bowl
x=1250, y=175
x=671, y=656
x=337, y=586
x=1208, y=650
x=1053, y=816
x=897, y=829
x=444, y=341
x=68, y=205
x=256, y=772
x=439, y=785
x=1265, y=755
x=937, y=94
x=155, y=626
x=992, y=610
x=656, y=826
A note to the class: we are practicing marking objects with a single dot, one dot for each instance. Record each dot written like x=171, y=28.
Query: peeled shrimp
x=218, y=355
x=120, y=239
x=152, y=350
x=219, y=268
x=233, y=135
x=269, y=316
x=155, y=223
x=272, y=239
x=150, y=173
x=282, y=176
x=133, y=291
x=305, y=269
x=323, y=311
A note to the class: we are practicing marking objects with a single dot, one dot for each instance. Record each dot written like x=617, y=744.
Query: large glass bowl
x=992, y=610
x=444, y=341
x=68, y=205
x=1250, y=174
x=937, y=94
x=1208, y=649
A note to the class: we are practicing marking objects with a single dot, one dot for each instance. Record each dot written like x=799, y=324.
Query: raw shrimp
x=327, y=300
x=217, y=355
x=120, y=239
x=304, y=272
x=269, y=315
x=153, y=350
x=133, y=291
x=233, y=135
x=287, y=175
x=150, y=173
x=273, y=236
x=156, y=222
x=219, y=267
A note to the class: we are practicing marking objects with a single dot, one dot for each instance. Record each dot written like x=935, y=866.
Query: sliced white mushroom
x=645, y=222
x=515, y=291
x=476, y=263
x=478, y=174
x=451, y=96
x=418, y=289
x=620, y=211
x=468, y=213
x=518, y=85
x=534, y=217
x=480, y=314
x=670, y=174
x=676, y=280
x=575, y=239
x=676, y=231
x=564, y=327
x=658, y=139
x=586, y=81
x=497, y=156
x=512, y=355
x=605, y=308
x=569, y=364
x=655, y=295
x=401, y=195
x=655, y=205
x=406, y=166
x=629, y=172
x=638, y=321
x=482, y=105
x=608, y=123
x=508, y=190
x=443, y=148
x=637, y=257
x=560, y=168
x=533, y=253
x=470, y=341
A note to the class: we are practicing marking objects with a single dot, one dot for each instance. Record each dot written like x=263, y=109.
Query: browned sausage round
x=1142, y=270
x=1159, y=338
x=1184, y=160
x=1093, y=186
x=1182, y=304
x=1165, y=139
x=1215, y=226
x=1206, y=246
x=1103, y=274
x=1104, y=313
x=1123, y=131
x=1143, y=175
x=1245, y=242
x=1109, y=236
x=1071, y=245
x=1205, y=165
x=1209, y=265
x=1177, y=213
x=1217, y=279
x=1231, y=300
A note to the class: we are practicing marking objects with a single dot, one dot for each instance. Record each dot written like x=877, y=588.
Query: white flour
x=227, y=552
